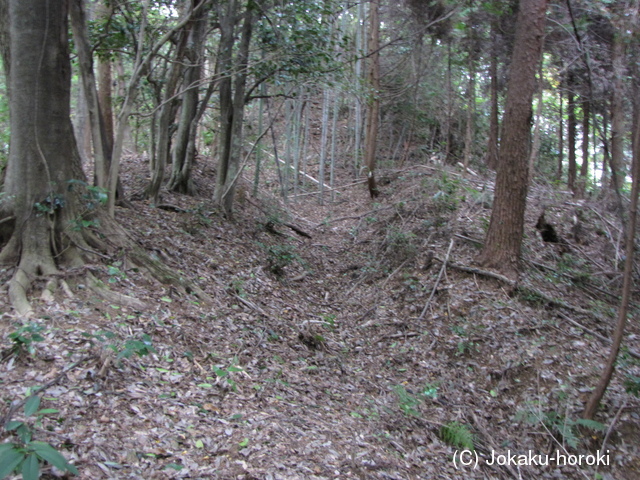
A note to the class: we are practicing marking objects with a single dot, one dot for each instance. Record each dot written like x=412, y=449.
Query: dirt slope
x=349, y=354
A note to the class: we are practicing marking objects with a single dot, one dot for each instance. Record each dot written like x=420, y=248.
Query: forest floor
x=351, y=353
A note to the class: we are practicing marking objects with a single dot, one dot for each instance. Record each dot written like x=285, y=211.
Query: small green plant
x=446, y=199
x=49, y=205
x=458, y=435
x=279, y=256
x=115, y=274
x=141, y=345
x=329, y=320
x=430, y=390
x=400, y=246
x=225, y=373
x=563, y=426
x=408, y=403
x=632, y=385
x=26, y=455
x=25, y=337
x=237, y=287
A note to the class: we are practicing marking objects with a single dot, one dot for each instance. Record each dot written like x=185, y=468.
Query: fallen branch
x=595, y=334
x=352, y=217
x=520, y=288
x=15, y=406
x=435, y=286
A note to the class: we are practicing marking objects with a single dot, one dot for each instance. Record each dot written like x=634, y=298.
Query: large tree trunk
x=232, y=102
x=617, y=116
x=586, y=130
x=560, y=133
x=166, y=116
x=504, y=238
x=374, y=102
x=104, y=10
x=182, y=160
x=494, y=122
x=101, y=144
x=627, y=283
x=43, y=157
x=571, y=136
x=471, y=113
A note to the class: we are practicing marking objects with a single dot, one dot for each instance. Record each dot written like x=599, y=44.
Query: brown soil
x=343, y=355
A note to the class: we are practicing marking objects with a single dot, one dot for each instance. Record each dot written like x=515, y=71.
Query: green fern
x=457, y=435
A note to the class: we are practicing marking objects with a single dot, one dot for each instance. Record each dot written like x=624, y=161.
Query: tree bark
x=586, y=130
x=43, y=157
x=571, y=136
x=374, y=101
x=184, y=145
x=471, y=113
x=5, y=50
x=502, y=247
x=101, y=144
x=617, y=115
x=494, y=122
x=560, y=133
x=232, y=102
x=607, y=373
x=167, y=114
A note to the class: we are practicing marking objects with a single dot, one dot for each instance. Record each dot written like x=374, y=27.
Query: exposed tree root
x=18, y=287
x=37, y=260
x=113, y=297
x=522, y=289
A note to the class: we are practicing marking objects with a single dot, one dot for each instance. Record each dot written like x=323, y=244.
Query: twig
x=595, y=334
x=15, y=406
x=352, y=217
x=435, y=286
x=613, y=424
x=477, y=271
x=393, y=273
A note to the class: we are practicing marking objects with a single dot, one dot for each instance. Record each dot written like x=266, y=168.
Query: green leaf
x=243, y=443
x=13, y=425
x=592, y=424
x=10, y=458
x=457, y=435
x=47, y=411
x=199, y=444
x=52, y=456
x=6, y=446
x=31, y=406
x=31, y=467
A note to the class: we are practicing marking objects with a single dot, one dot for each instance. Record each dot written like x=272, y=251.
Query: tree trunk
x=607, y=373
x=43, y=157
x=502, y=246
x=232, y=102
x=586, y=130
x=617, y=115
x=104, y=11
x=166, y=116
x=45, y=182
x=560, y=134
x=374, y=101
x=494, y=122
x=184, y=147
x=571, y=136
x=471, y=113
x=102, y=145
x=535, y=146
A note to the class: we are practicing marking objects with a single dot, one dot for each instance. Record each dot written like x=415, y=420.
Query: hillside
x=343, y=341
